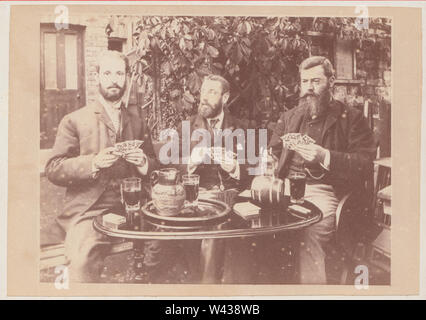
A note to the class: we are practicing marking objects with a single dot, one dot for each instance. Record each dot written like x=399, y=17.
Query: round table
x=271, y=220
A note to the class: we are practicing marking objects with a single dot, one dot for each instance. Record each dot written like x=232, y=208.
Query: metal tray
x=208, y=212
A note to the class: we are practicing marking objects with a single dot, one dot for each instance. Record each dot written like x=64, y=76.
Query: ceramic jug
x=167, y=193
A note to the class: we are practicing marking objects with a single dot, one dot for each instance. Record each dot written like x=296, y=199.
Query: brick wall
x=95, y=41
x=373, y=73
x=374, y=68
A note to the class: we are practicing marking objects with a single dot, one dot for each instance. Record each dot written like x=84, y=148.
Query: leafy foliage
x=258, y=55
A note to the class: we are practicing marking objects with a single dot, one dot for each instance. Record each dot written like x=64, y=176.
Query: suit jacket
x=81, y=135
x=210, y=174
x=346, y=134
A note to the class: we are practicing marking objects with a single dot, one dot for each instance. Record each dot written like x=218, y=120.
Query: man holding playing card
x=211, y=158
x=335, y=151
x=216, y=166
x=87, y=161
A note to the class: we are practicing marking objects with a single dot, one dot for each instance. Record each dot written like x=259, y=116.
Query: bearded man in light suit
x=84, y=161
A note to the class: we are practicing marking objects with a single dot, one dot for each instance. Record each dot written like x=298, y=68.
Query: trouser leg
x=86, y=250
x=313, y=239
x=279, y=259
x=239, y=264
x=212, y=254
x=172, y=261
x=159, y=259
x=245, y=259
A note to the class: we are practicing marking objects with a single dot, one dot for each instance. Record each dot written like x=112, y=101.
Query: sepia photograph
x=128, y=193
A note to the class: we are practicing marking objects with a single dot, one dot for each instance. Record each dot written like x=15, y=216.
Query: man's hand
x=136, y=157
x=198, y=155
x=312, y=153
x=139, y=159
x=105, y=158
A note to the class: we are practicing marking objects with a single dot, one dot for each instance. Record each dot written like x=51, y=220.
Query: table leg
x=212, y=257
x=138, y=266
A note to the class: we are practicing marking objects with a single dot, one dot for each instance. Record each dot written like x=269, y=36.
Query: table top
x=272, y=219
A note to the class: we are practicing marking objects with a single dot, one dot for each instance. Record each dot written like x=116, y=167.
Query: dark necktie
x=119, y=125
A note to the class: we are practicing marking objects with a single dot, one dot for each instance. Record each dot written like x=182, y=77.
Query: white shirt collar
x=112, y=109
x=110, y=106
x=219, y=117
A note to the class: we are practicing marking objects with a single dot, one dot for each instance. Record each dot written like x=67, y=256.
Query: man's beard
x=208, y=111
x=113, y=97
x=315, y=104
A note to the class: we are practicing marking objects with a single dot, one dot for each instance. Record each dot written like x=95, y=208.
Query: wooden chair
x=355, y=225
x=355, y=230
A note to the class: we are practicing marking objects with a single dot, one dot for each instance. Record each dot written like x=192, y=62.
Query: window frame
x=76, y=30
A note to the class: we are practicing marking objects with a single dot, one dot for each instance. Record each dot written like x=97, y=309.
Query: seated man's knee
x=85, y=249
x=322, y=231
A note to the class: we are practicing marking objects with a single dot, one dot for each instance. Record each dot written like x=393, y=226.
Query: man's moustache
x=309, y=95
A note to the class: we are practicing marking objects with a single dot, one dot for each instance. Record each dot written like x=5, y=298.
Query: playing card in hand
x=218, y=153
x=291, y=140
x=126, y=146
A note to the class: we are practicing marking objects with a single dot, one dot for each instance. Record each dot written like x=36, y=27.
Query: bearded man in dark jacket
x=339, y=161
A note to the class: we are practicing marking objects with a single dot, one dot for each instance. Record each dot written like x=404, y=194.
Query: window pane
x=344, y=61
x=71, y=61
x=50, y=61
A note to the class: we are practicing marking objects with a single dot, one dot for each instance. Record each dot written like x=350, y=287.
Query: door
x=62, y=84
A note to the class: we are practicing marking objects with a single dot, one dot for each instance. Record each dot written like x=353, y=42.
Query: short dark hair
x=222, y=80
x=111, y=54
x=318, y=61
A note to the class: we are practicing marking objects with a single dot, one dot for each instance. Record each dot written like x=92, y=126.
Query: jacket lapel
x=228, y=121
x=103, y=116
x=333, y=114
x=129, y=128
x=198, y=123
x=201, y=123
